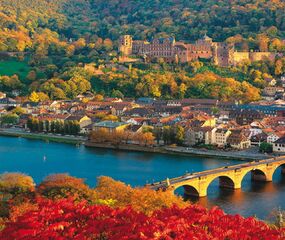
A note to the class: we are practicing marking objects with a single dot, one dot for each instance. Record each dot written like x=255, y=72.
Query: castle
x=220, y=53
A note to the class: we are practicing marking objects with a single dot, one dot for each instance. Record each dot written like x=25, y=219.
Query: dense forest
x=186, y=20
x=57, y=38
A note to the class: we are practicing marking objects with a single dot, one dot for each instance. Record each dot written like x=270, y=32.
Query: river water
x=39, y=159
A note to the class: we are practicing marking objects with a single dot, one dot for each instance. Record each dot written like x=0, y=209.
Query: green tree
x=266, y=147
x=9, y=119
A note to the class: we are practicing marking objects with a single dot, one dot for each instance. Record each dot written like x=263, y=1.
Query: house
x=110, y=126
x=135, y=128
x=196, y=135
x=165, y=110
x=7, y=102
x=145, y=101
x=194, y=102
x=270, y=81
x=223, y=117
x=83, y=120
x=139, y=112
x=119, y=108
x=258, y=138
x=86, y=129
x=271, y=91
x=272, y=135
x=279, y=145
x=113, y=100
x=255, y=128
x=137, y=121
x=218, y=136
x=238, y=139
x=245, y=116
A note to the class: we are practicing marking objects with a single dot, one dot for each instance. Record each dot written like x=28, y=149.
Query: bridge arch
x=257, y=174
x=224, y=182
x=189, y=190
x=280, y=165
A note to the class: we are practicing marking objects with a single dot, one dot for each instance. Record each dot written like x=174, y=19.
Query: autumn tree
x=62, y=186
x=179, y=135
x=108, y=188
x=16, y=183
x=34, y=97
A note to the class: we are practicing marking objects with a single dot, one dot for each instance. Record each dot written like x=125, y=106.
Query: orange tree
x=62, y=186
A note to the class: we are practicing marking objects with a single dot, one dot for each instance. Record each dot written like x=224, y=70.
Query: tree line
x=62, y=127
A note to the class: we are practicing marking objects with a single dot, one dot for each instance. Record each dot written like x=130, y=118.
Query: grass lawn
x=11, y=67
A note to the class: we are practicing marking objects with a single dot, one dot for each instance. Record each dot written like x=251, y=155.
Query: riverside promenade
x=248, y=154
x=13, y=132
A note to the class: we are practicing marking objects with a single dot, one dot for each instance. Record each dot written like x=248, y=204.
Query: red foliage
x=64, y=219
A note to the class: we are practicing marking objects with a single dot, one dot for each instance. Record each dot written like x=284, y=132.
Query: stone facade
x=220, y=53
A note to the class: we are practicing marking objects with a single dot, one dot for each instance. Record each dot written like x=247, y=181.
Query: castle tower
x=125, y=45
x=215, y=53
x=231, y=51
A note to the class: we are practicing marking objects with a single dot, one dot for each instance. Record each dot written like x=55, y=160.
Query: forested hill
x=61, y=36
x=144, y=19
x=186, y=19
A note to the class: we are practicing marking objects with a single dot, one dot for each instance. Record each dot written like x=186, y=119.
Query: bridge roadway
x=229, y=177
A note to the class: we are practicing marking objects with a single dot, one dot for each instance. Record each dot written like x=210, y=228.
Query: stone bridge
x=196, y=184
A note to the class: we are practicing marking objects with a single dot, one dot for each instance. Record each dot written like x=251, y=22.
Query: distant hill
x=187, y=20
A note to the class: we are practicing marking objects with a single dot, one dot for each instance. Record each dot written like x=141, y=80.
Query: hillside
x=59, y=36
x=143, y=19
x=184, y=19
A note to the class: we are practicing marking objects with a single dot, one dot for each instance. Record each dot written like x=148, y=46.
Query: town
x=147, y=122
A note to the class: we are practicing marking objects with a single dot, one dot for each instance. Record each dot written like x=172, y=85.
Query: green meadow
x=11, y=67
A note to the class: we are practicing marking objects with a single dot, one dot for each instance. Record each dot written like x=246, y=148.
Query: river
x=39, y=159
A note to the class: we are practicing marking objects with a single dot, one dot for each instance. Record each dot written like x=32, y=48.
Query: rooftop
x=109, y=124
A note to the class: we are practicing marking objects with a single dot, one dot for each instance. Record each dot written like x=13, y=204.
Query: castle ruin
x=220, y=53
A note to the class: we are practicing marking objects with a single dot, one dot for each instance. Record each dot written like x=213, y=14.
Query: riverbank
x=127, y=147
x=239, y=155
x=186, y=151
x=236, y=155
x=42, y=136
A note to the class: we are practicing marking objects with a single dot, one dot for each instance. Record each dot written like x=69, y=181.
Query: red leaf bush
x=66, y=219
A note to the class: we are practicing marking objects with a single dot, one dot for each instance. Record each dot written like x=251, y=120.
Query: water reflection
x=254, y=198
x=27, y=156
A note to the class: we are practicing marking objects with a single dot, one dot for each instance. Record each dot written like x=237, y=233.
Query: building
x=238, y=140
x=82, y=120
x=197, y=135
x=110, y=126
x=220, y=53
x=245, y=117
x=218, y=137
x=279, y=145
x=125, y=45
x=272, y=91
